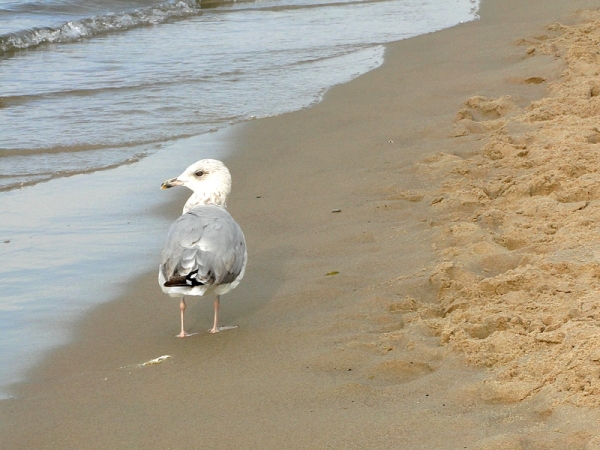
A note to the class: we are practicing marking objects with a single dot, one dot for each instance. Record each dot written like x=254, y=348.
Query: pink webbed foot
x=183, y=334
x=217, y=329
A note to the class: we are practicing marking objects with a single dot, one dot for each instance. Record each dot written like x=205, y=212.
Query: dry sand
x=449, y=305
x=519, y=282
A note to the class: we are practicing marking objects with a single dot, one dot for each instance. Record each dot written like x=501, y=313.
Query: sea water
x=102, y=98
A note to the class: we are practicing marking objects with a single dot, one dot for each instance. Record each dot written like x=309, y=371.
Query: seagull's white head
x=209, y=180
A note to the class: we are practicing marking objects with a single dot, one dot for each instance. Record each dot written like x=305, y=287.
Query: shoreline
x=84, y=224
x=329, y=361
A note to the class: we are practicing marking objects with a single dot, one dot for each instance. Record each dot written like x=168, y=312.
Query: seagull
x=205, y=251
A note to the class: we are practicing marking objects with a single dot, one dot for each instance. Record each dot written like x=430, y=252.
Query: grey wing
x=205, y=246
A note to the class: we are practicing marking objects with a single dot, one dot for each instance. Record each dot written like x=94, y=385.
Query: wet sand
x=387, y=324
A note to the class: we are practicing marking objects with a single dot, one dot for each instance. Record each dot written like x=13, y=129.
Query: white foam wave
x=85, y=28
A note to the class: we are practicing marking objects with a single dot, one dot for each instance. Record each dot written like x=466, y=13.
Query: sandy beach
x=449, y=302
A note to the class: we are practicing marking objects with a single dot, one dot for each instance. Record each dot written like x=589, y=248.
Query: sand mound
x=519, y=235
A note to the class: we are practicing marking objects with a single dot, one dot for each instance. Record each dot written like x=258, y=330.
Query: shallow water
x=75, y=242
x=135, y=88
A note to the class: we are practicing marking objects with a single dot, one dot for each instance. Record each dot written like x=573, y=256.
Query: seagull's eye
x=199, y=173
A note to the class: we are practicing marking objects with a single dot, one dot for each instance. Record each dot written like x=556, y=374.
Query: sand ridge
x=518, y=240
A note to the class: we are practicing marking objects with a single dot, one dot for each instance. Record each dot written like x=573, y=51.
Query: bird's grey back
x=206, y=239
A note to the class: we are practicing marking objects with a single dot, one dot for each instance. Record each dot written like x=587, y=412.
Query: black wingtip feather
x=182, y=280
x=176, y=281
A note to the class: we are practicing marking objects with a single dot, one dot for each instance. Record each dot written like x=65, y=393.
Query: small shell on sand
x=158, y=360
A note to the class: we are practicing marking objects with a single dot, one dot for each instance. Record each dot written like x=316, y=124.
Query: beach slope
x=367, y=226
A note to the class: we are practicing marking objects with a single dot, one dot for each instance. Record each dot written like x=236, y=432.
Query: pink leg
x=182, y=309
x=215, y=328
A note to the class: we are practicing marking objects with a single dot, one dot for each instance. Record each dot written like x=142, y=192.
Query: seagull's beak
x=170, y=183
